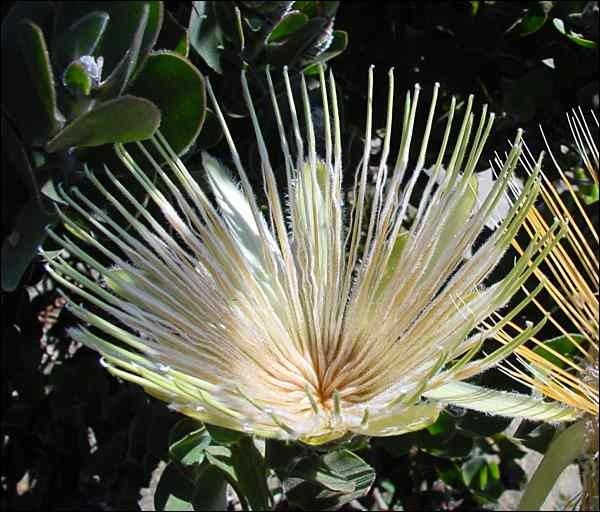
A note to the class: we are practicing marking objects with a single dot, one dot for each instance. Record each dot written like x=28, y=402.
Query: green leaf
x=210, y=490
x=37, y=60
x=565, y=448
x=81, y=38
x=173, y=36
x=287, y=53
x=327, y=8
x=533, y=91
x=115, y=84
x=226, y=19
x=77, y=79
x=211, y=133
x=177, y=87
x=494, y=470
x=189, y=449
x=561, y=344
x=531, y=23
x=328, y=481
x=288, y=24
x=206, y=36
x=456, y=446
x=471, y=467
x=15, y=151
x=573, y=36
x=223, y=435
x=183, y=428
x=280, y=454
x=509, y=449
x=443, y=426
x=534, y=18
x=481, y=424
x=174, y=491
x=449, y=472
x=245, y=470
x=539, y=438
x=125, y=19
x=483, y=477
x=124, y=119
x=397, y=446
x=19, y=248
x=35, y=52
x=588, y=190
x=338, y=45
x=20, y=98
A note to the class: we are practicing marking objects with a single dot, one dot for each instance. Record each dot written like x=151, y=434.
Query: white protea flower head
x=318, y=319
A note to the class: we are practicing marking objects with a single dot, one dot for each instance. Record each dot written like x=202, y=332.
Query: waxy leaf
x=206, y=36
x=174, y=491
x=573, y=36
x=81, y=38
x=120, y=32
x=22, y=244
x=337, y=46
x=288, y=25
x=245, y=470
x=210, y=490
x=173, y=83
x=328, y=481
x=189, y=449
x=125, y=119
x=37, y=59
x=562, y=345
x=281, y=54
x=173, y=36
x=115, y=84
x=20, y=98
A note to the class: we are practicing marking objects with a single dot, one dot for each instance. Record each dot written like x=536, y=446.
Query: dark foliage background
x=73, y=437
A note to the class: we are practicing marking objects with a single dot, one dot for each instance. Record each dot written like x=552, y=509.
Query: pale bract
x=320, y=317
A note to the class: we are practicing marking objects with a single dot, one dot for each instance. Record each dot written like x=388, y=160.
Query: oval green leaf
x=19, y=248
x=211, y=490
x=174, y=491
x=82, y=37
x=206, y=36
x=19, y=92
x=288, y=25
x=115, y=84
x=173, y=36
x=177, y=87
x=125, y=119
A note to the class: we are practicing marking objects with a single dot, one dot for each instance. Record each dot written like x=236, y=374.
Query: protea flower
x=570, y=278
x=319, y=318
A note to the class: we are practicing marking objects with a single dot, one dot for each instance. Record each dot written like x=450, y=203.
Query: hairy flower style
x=570, y=277
x=318, y=319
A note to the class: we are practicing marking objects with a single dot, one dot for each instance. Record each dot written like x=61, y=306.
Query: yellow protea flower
x=318, y=319
x=571, y=279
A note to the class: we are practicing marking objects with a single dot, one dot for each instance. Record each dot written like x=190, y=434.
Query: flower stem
x=564, y=449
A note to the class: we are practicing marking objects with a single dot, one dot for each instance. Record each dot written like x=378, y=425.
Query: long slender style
x=327, y=316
